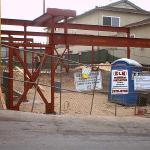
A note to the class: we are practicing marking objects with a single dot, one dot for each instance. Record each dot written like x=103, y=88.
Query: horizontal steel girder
x=61, y=12
x=5, y=21
x=88, y=40
x=91, y=40
x=92, y=27
x=10, y=32
x=16, y=39
x=15, y=44
x=16, y=22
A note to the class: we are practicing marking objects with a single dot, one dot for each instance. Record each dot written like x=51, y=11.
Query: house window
x=111, y=21
x=4, y=52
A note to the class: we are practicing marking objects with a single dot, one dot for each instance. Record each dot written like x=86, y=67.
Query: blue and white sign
x=94, y=81
x=142, y=82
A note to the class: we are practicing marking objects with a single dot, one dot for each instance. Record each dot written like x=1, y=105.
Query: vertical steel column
x=67, y=45
x=128, y=48
x=92, y=57
x=25, y=59
x=52, y=49
x=10, y=75
x=32, y=57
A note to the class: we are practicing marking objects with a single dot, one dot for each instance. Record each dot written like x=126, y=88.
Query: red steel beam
x=62, y=25
x=45, y=20
x=92, y=27
x=53, y=14
x=25, y=59
x=52, y=49
x=16, y=39
x=87, y=40
x=16, y=22
x=24, y=44
x=10, y=32
x=128, y=48
x=32, y=77
x=61, y=12
x=10, y=81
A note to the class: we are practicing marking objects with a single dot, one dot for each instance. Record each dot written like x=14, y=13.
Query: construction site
x=48, y=79
x=31, y=88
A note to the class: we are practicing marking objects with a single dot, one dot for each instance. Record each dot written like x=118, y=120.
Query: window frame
x=111, y=20
x=4, y=52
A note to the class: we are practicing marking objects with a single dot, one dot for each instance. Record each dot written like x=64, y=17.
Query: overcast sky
x=30, y=9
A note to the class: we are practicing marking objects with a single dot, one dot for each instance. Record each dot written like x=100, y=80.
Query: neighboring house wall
x=142, y=55
x=141, y=31
x=95, y=17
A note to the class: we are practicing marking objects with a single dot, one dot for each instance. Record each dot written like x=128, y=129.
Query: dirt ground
x=68, y=100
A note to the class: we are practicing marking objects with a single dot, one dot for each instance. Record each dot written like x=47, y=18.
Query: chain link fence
x=68, y=100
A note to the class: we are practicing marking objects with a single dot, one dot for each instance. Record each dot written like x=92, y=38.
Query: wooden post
x=10, y=83
x=128, y=48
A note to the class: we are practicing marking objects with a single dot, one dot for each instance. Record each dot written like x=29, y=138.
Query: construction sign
x=142, y=81
x=93, y=82
x=119, y=81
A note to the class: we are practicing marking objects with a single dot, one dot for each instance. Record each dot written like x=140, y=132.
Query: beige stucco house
x=141, y=29
x=119, y=14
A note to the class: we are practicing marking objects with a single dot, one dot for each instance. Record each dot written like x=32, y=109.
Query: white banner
x=142, y=82
x=119, y=82
x=88, y=84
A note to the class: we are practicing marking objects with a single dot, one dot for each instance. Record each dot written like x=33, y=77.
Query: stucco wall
x=142, y=55
x=141, y=31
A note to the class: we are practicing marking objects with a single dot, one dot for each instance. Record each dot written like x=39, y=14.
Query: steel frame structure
x=51, y=19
